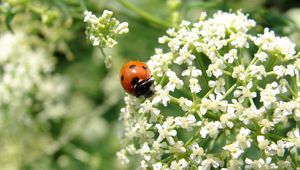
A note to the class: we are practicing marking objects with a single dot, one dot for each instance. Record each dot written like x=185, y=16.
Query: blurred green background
x=79, y=130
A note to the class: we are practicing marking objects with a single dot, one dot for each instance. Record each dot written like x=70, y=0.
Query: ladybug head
x=144, y=88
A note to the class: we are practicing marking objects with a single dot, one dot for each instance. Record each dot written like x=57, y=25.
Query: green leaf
x=8, y=20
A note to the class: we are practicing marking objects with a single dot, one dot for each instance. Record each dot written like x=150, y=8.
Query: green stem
x=274, y=136
x=212, y=115
x=270, y=73
x=162, y=80
x=227, y=73
x=145, y=15
x=253, y=61
x=292, y=91
x=102, y=52
x=192, y=139
x=297, y=80
x=295, y=84
x=230, y=90
x=208, y=93
x=294, y=158
x=271, y=63
x=174, y=100
x=83, y=5
x=282, y=96
x=204, y=77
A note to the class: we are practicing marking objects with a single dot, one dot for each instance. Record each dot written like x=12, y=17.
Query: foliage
x=60, y=105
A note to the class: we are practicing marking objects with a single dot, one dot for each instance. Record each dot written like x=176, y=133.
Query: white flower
x=145, y=151
x=174, y=81
x=243, y=93
x=290, y=70
x=277, y=148
x=257, y=71
x=161, y=96
x=279, y=71
x=282, y=86
x=122, y=156
x=185, y=122
x=211, y=129
x=165, y=132
x=239, y=40
x=226, y=120
x=239, y=72
x=89, y=17
x=231, y=56
x=160, y=62
x=218, y=85
x=194, y=85
x=185, y=56
x=178, y=147
x=260, y=164
x=268, y=95
x=185, y=104
x=266, y=125
x=214, y=103
x=122, y=28
x=241, y=143
x=144, y=164
x=157, y=166
x=209, y=162
x=262, y=56
x=242, y=138
x=148, y=107
x=234, y=150
x=180, y=165
x=282, y=47
x=192, y=71
x=102, y=31
x=197, y=152
x=249, y=114
x=108, y=61
x=262, y=142
x=294, y=139
x=216, y=68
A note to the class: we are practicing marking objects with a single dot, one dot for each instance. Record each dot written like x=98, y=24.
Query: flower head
x=102, y=31
x=222, y=104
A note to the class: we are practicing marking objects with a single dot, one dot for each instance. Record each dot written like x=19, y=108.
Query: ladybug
x=136, y=79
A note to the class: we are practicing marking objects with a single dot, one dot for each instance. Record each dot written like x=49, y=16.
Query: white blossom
x=211, y=129
x=237, y=104
x=180, y=165
x=165, y=132
x=231, y=56
x=197, y=152
x=186, y=122
x=194, y=85
x=268, y=95
x=261, y=55
x=102, y=31
x=239, y=72
x=174, y=81
x=185, y=104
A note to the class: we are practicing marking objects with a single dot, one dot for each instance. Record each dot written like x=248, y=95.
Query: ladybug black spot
x=132, y=66
x=122, y=78
x=144, y=67
x=134, y=81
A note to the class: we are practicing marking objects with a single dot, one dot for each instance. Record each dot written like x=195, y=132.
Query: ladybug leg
x=144, y=88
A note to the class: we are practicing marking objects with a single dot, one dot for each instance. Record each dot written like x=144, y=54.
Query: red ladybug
x=136, y=79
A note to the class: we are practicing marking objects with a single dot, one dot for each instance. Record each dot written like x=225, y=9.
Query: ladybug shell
x=131, y=72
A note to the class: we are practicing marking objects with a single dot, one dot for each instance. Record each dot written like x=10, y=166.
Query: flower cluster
x=235, y=95
x=102, y=31
x=32, y=98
